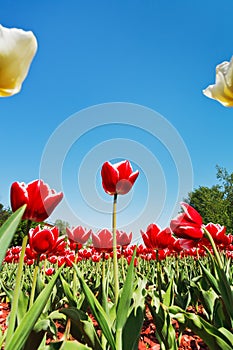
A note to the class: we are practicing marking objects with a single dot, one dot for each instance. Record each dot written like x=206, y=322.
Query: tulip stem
x=215, y=250
x=33, y=289
x=115, y=262
x=16, y=293
x=159, y=283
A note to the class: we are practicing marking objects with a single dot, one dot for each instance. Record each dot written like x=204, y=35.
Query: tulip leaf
x=18, y=339
x=99, y=313
x=22, y=306
x=82, y=327
x=74, y=345
x=168, y=296
x=220, y=284
x=212, y=336
x=132, y=328
x=125, y=297
x=66, y=345
x=7, y=231
x=68, y=293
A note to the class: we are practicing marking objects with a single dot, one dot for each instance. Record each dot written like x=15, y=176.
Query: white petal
x=222, y=90
x=17, y=49
x=229, y=74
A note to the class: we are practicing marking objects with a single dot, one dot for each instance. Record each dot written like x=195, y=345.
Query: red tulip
x=43, y=241
x=155, y=238
x=40, y=199
x=181, y=244
x=187, y=224
x=122, y=238
x=118, y=178
x=102, y=240
x=49, y=271
x=78, y=234
x=218, y=233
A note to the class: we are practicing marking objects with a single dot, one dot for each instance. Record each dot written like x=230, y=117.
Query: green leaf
x=97, y=310
x=74, y=345
x=22, y=306
x=125, y=296
x=132, y=330
x=211, y=335
x=168, y=296
x=68, y=293
x=82, y=327
x=7, y=231
x=22, y=332
x=212, y=280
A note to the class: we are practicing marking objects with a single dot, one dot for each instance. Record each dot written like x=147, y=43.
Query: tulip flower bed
x=180, y=282
x=172, y=292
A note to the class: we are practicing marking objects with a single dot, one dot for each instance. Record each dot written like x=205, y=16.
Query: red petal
x=110, y=177
x=191, y=213
x=18, y=196
x=124, y=169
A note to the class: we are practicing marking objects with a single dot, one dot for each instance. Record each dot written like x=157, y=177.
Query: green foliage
x=215, y=203
x=8, y=229
x=62, y=225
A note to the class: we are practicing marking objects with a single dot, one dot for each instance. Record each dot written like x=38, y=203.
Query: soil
x=148, y=341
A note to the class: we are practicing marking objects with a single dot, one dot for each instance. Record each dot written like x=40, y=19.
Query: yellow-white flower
x=17, y=49
x=222, y=90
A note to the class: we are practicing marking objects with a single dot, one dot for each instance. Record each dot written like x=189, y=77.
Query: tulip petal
x=191, y=213
x=110, y=177
x=222, y=90
x=18, y=195
x=124, y=169
x=17, y=49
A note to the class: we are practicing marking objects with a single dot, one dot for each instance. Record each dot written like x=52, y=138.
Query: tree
x=62, y=225
x=215, y=204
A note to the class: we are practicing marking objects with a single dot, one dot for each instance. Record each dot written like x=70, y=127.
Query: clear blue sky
x=152, y=53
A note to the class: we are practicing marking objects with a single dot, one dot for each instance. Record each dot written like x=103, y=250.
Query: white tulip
x=17, y=49
x=222, y=90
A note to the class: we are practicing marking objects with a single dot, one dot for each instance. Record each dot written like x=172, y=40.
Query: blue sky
x=152, y=54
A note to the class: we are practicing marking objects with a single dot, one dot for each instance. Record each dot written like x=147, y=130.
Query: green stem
x=16, y=293
x=115, y=262
x=159, y=283
x=119, y=339
x=33, y=289
x=104, y=297
x=123, y=267
x=215, y=250
x=67, y=330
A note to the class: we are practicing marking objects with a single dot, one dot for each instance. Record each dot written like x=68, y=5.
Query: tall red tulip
x=43, y=241
x=155, y=238
x=187, y=224
x=40, y=199
x=118, y=178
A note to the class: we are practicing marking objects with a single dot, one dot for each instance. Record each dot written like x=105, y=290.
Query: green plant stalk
x=33, y=289
x=119, y=339
x=15, y=300
x=123, y=267
x=159, y=284
x=115, y=262
x=104, y=297
x=215, y=250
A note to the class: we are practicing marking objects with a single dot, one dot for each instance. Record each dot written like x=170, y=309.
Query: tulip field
x=96, y=290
